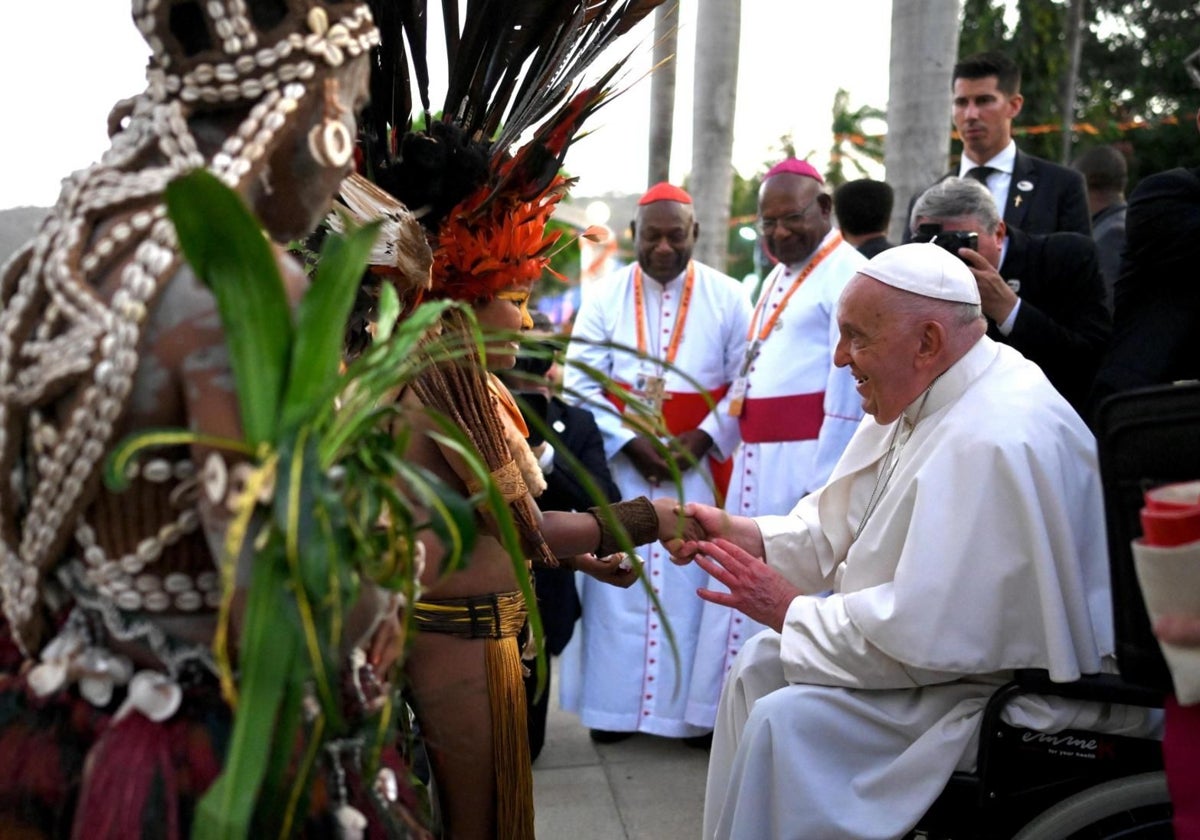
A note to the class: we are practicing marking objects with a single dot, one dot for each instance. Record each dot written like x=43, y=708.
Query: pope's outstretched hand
x=755, y=589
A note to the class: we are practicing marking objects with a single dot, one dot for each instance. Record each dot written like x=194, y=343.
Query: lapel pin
x=1024, y=186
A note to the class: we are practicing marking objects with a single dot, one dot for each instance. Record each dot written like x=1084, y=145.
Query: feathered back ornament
x=400, y=251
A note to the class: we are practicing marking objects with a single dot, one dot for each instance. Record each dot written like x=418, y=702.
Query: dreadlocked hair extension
x=459, y=390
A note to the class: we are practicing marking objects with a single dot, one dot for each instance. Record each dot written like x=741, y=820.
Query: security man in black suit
x=1037, y=196
x=1041, y=294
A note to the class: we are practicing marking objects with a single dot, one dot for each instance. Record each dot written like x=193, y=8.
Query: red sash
x=682, y=413
x=782, y=419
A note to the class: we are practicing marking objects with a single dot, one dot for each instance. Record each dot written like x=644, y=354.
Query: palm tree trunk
x=718, y=30
x=662, y=92
x=924, y=49
x=1074, y=47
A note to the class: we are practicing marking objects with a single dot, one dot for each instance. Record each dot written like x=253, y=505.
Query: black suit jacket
x=1156, y=306
x=874, y=245
x=1043, y=197
x=577, y=434
x=1063, y=324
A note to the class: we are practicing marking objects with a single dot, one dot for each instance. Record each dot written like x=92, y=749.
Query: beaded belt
x=492, y=616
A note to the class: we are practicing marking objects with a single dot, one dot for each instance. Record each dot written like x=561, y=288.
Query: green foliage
x=1132, y=70
x=258, y=347
x=851, y=140
x=743, y=211
x=982, y=27
x=1040, y=48
x=317, y=353
x=325, y=508
x=228, y=807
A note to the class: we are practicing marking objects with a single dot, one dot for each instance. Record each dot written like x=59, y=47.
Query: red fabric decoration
x=129, y=784
x=795, y=166
x=662, y=191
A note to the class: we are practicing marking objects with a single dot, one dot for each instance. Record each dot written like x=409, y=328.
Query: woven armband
x=509, y=481
x=637, y=517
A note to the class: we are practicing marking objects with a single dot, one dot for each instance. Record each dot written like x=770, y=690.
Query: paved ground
x=643, y=788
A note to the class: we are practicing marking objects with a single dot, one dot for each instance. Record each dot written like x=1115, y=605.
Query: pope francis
x=960, y=536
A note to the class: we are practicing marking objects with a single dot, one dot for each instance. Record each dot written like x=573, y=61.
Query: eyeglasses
x=766, y=226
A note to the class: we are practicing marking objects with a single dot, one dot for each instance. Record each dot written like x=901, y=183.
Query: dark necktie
x=980, y=173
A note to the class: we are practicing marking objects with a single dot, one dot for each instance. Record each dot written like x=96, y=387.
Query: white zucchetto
x=924, y=269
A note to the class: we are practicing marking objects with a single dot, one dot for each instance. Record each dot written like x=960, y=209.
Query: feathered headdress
x=514, y=68
x=514, y=72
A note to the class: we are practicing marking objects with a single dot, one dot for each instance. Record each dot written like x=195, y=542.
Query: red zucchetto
x=662, y=191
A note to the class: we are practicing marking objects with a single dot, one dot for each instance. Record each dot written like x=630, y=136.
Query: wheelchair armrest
x=1100, y=688
x=1104, y=688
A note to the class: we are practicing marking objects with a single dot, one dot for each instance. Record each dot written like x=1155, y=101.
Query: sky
x=68, y=61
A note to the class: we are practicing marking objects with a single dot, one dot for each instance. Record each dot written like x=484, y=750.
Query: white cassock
x=618, y=672
x=800, y=413
x=986, y=552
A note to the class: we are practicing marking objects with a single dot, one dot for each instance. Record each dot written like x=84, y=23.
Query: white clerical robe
x=985, y=553
x=618, y=672
x=795, y=392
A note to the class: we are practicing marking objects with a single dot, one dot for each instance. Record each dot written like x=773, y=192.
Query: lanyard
x=800, y=278
x=680, y=317
x=754, y=343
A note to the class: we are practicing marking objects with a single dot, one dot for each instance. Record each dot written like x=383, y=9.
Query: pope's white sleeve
x=822, y=646
x=723, y=429
x=796, y=546
x=588, y=346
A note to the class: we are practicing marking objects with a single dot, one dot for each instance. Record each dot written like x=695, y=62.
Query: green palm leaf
x=226, y=248
x=226, y=810
x=320, y=325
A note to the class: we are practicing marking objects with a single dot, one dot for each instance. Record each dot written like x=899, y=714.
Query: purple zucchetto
x=795, y=166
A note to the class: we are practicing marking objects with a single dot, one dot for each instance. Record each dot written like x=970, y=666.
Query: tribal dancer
x=112, y=724
x=486, y=207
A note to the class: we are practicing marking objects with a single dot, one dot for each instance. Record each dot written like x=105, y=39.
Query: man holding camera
x=688, y=325
x=1041, y=294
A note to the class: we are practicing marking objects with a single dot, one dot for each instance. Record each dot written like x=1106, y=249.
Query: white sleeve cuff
x=546, y=459
x=1007, y=326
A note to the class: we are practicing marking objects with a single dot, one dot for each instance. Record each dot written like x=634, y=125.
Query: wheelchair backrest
x=1146, y=437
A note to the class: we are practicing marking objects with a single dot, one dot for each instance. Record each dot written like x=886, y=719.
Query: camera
x=951, y=240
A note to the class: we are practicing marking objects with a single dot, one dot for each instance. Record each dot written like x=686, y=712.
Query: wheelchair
x=1084, y=785
x=1077, y=784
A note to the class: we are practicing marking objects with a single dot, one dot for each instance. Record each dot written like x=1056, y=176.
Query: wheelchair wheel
x=1133, y=807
